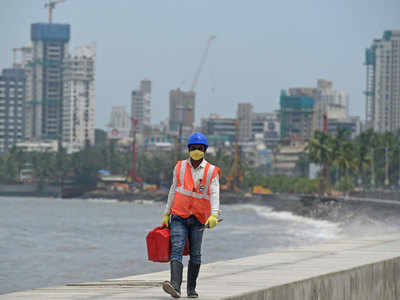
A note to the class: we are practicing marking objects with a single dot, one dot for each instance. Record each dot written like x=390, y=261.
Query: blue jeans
x=181, y=229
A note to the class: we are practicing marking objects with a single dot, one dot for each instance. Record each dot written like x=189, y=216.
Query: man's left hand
x=212, y=221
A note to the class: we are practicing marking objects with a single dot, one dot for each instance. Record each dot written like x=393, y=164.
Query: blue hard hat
x=197, y=138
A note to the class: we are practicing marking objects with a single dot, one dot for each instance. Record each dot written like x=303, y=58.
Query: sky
x=261, y=47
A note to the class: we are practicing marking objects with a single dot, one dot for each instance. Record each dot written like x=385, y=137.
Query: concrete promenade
x=367, y=268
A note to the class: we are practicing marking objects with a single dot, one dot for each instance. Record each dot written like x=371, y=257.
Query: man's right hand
x=165, y=220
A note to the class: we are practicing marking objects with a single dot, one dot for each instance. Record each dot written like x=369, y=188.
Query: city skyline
x=254, y=56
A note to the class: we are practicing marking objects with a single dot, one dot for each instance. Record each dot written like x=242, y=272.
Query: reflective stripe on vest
x=188, y=197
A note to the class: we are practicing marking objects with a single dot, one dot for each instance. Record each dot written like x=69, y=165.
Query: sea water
x=46, y=241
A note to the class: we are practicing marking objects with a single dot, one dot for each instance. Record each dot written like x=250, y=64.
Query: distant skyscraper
x=141, y=106
x=181, y=110
x=382, y=60
x=26, y=64
x=335, y=104
x=79, y=96
x=297, y=112
x=12, y=107
x=45, y=101
x=245, y=116
x=145, y=86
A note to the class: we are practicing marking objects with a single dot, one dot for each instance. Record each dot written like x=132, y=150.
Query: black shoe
x=169, y=288
x=192, y=294
x=193, y=272
x=173, y=287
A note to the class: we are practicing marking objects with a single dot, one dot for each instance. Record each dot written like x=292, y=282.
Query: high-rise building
x=382, y=60
x=141, y=106
x=245, y=116
x=12, y=107
x=79, y=96
x=297, y=112
x=26, y=63
x=45, y=98
x=181, y=110
x=145, y=86
x=333, y=103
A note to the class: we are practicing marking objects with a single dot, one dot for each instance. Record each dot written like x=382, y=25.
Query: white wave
x=316, y=228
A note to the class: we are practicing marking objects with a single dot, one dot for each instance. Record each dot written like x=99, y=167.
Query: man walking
x=193, y=203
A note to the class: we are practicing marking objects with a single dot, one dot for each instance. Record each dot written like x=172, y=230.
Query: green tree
x=319, y=148
x=363, y=156
x=343, y=158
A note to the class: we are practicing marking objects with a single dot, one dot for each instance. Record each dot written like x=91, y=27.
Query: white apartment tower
x=141, y=105
x=382, y=61
x=79, y=97
x=333, y=103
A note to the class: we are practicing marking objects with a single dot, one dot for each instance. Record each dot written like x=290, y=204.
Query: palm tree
x=363, y=154
x=319, y=149
x=344, y=159
x=343, y=153
x=389, y=142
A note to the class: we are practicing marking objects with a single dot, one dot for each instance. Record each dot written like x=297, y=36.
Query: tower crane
x=202, y=62
x=51, y=4
x=187, y=110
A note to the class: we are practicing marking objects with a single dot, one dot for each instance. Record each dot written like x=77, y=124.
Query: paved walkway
x=237, y=277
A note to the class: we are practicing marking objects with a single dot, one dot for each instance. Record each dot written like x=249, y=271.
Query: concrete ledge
x=364, y=268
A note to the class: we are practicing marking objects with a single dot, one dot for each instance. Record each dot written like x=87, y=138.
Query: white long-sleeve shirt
x=197, y=174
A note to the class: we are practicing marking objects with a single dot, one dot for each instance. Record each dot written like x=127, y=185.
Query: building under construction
x=296, y=115
x=44, y=105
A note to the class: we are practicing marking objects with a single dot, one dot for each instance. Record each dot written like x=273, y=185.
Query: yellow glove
x=212, y=221
x=165, y=220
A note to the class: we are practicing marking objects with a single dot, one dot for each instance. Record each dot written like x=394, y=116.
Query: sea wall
x=364, y=268
x=377, y=281
x=29, y=190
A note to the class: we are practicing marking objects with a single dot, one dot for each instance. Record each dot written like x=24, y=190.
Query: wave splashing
x=294, y=224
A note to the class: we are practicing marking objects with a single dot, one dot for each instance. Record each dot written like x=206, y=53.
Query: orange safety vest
x=190, y=199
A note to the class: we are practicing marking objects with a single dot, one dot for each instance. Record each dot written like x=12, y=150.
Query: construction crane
x=202, y=62
x=52, y=5
x=187, y=110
